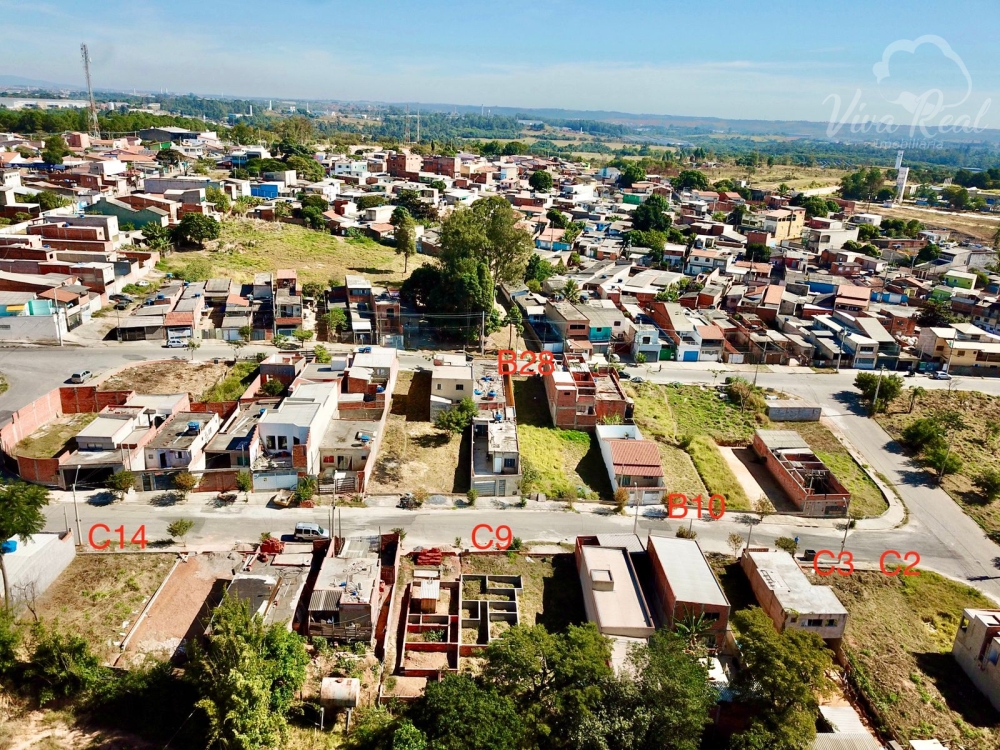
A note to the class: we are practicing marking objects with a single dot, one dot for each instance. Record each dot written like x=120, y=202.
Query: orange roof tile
x=636, y=458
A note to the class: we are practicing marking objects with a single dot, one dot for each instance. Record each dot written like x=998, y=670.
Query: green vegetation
x=231, y=387
x=21, y=517
x=905, y=670
x=458, y=418
x=700, y=410
x=561, y=458
x=48, y=440
x=247, y=247
x=554, y=691
x=886, y=388
x=956, y=431
x=718, y=477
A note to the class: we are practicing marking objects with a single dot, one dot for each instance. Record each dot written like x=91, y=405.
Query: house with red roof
x=632, y=462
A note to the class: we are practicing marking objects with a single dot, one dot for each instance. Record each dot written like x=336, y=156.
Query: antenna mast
x=95, y=129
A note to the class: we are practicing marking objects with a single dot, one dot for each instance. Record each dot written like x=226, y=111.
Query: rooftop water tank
x=194, y=426
x=366, y=438
x=9, y=546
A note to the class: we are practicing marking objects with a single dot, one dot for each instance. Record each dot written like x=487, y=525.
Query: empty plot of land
x=181, y=605
x=164, y=378
x=416, y=454
x=755, y=479
x=99, y=596
x=48, y=440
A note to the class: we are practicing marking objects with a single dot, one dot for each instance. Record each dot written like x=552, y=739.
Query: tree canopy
x=652, y=214
x=541, y=180
x=689, y=179
x=20, y=516
x=197, y=228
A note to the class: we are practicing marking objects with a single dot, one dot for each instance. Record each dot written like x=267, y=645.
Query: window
x=269, y=442
x=282, y=443
x=510, y=463
x=831, y=623
x=460, y=387
x=439, y=386
x=625, y=481
x=645, y=339
x=814, y=623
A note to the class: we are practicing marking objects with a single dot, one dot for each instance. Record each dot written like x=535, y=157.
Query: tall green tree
x=197, y=228
x=664, y=695
x=652, y=214
x=247, y=675
x=405, y=235
x=21, y=517
x=782, y=675
x=488, y=232
x=690, y=179
x=886, y=387
x=458, y=713
x=541, y=181
x=55, y=150
x=631, y=173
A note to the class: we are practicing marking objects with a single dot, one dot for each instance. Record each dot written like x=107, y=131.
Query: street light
x=878, y=384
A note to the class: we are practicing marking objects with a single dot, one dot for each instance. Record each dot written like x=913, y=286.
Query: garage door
x=690, y=356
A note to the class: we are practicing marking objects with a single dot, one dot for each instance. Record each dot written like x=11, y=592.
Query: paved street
x=937, y=529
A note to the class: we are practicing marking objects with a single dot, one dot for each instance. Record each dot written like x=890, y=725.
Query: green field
x=247, y=247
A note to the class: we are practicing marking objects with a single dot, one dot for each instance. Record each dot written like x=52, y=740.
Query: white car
x=81, y=376
x=177, y=343
x=941, y=375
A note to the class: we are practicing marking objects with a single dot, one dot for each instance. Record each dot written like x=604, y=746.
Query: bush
x=184, y=482
x=922, y=433
x=621, y=499
x=786, y=543
x=942, y=460
x=472, y=495
x=458, y=418
x=62, y=665
x=683, y=532
x=988, y=482
x=273, y=387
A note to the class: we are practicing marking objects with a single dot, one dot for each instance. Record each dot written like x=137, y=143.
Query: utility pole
x=847, y=527
x=95, y=129
x=840, y=349
x=757, y=368
x=76, y=509
x=878, y=384
x=482, y=332
x=635, y=523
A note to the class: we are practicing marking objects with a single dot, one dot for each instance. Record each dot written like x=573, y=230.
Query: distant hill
x=33, y=83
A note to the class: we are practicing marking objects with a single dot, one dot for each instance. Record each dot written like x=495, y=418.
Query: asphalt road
x=946, y=539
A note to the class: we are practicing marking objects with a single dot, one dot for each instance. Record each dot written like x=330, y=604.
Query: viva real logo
x=932, y=112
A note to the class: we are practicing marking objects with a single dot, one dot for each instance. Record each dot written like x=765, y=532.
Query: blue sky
x=775, y=60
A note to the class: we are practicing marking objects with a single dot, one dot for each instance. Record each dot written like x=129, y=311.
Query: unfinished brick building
x=806, y=480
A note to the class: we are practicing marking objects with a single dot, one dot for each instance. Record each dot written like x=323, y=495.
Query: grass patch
x=898, y=640
x=972, y=445
x=4, y=385
x=551, y=593
x=719, y=478
x=698, y=411
x=565, y=460
x=97, y=593
x=48, y=440
x=866, y=499
x=655, y=420
x=231, y=387
x=246, y=247
x=531, y=402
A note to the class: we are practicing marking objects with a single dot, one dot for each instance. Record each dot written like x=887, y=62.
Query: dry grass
x=972, y=445
x=97, y=594
x=416, y=454
x=976, y=226
x=719, y=478
x=551, y=590
x=247, y=247
x=49, y=440
x=771, y=177
x=898, y=640
x=163, y=378
x=866, y=498
x=656, y=422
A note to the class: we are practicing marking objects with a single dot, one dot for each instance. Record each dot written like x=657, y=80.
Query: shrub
x=988, y=482
x=184, y=482
x=683, y=532
x=786, y=543
x=420, y=495
x=922, y=433
x=621, y=499
x=62, y=665
x=273, y=387
x=458, y=418
x=472, y=495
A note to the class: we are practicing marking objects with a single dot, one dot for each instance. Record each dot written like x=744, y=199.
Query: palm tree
x=693, y=627
x=571, y=291
x=915, y=393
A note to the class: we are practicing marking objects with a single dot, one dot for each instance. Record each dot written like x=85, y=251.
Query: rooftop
x=620, y=607
x=175, y=433
x=689, y=574
x=790, y=586
x=347, y=433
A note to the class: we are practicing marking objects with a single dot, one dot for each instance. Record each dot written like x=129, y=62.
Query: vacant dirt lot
x=975, y=444
x=48, y=440
x=99, y=596
x=167, y=377
x=976, y=226
x=180, y=608
x=898, y=641
x=415, y=453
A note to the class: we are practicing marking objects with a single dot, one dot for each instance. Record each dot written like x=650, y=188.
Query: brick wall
x=86, y=398
x=29, y=418
x=224, y=409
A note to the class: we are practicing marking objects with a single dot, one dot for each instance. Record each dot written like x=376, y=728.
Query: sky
x=776, y=60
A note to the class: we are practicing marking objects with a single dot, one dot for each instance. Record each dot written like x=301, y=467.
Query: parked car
x=176, y=343
x=81, y=376
x=121, y=306
x=307, y=532
x=638, y=379
x=624, y=375
x=142, y=284
x=121, y=298
x=941, y=375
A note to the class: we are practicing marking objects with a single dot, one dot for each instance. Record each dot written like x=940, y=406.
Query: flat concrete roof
x=175, y=434
x=343, y=433
x=620, y=606
x=782, y=439
x=688, y=572
x=793, y=590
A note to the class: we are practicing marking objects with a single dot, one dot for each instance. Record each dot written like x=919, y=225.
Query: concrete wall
x=976, y=653
x=33, y=327
x=35, y=565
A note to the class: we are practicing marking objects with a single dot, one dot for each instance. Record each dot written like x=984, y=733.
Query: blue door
x=690, y=356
